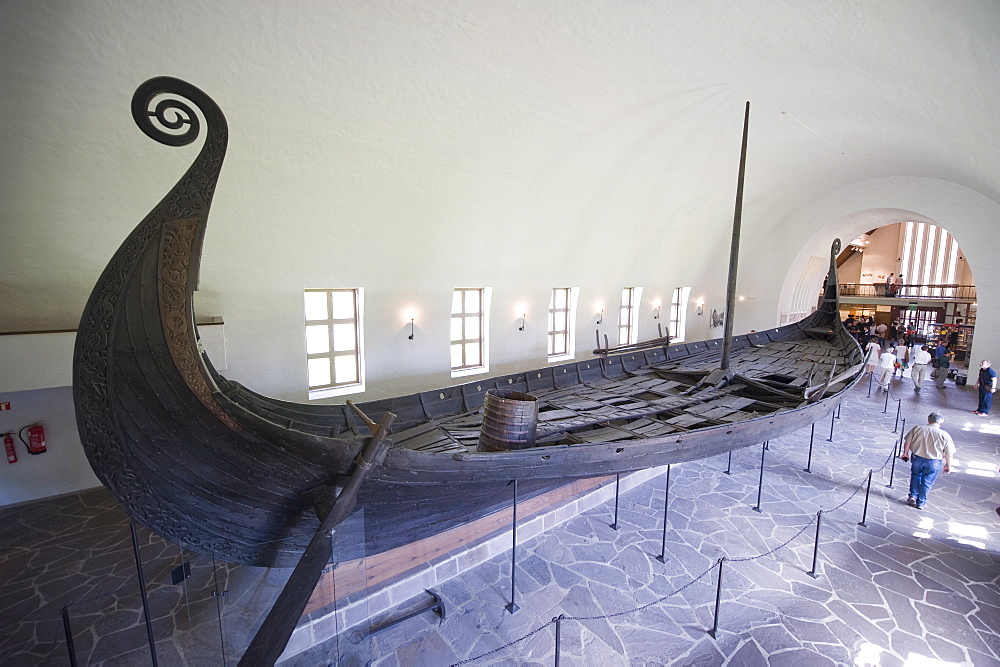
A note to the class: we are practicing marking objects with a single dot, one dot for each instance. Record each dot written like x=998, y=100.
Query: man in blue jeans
x=930, y=447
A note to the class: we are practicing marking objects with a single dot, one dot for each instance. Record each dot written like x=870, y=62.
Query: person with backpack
x=941, y=366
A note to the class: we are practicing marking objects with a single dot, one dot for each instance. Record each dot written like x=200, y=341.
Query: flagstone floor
x=908, y=588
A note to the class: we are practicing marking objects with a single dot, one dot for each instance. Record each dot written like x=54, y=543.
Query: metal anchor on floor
x=436, y=604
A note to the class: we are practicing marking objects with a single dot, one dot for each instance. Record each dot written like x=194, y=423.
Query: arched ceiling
x=596, y=139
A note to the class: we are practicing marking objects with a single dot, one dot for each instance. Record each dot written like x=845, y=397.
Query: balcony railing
x=943, y=292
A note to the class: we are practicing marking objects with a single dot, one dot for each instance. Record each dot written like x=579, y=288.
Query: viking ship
x=220, y=469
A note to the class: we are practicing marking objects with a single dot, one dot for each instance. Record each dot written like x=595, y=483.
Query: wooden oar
x=277, y=628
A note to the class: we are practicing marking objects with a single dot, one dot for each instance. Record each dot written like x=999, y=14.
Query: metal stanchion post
x=833, y=415
x=897, y=449
x=558, y=619
x=839, y=406
x=729, y=466
x=512, y=607
x=760, y=484
x=899, y=407
x=888, y=391
x=142, y=593
x=892, y=468
x=69, y=634
x=864, y=515
x=812, y=434
x=870, y=376
x=618, y=481
x=666, y=497
x=718, y=598
x=812, y=573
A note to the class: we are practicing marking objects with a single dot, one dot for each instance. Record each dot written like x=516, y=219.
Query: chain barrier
x=645, y=606
x=505, y=646
x=682, y=588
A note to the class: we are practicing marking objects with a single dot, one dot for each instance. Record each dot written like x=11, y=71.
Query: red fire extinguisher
x=36, y=438
x=8, y=444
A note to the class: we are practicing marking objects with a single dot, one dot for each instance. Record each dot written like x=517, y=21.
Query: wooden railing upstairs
x=929, y=291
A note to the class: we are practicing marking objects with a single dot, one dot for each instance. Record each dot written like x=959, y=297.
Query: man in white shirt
x=886, y=369
x=919, y=367
x=930, y=446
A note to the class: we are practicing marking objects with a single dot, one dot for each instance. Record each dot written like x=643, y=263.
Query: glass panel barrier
x=205, y=611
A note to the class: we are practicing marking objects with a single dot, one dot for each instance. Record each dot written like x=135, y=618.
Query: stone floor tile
x=943, y=623
x=798, y=657
x=950, y=601
x=992, y=640
x=980, y=660
x=947, y=651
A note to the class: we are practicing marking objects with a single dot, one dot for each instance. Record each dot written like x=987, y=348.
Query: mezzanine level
x=856, y=293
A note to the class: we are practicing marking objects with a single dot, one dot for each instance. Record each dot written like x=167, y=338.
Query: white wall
x=851, y=270
x=881, y=256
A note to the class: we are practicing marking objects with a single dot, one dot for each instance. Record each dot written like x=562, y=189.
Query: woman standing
x=873, y=350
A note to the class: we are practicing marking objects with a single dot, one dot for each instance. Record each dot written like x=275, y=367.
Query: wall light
x=656, y=307
x=524, y=317
x=701, y=307
x=410, y=314
x=600, y=317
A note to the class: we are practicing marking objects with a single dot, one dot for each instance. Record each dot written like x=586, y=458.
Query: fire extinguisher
x=8, y=444
x=36, y=438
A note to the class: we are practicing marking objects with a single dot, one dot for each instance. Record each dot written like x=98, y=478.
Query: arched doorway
x=911, y=275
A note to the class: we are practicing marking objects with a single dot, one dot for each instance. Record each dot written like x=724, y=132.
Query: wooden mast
x=734, y=250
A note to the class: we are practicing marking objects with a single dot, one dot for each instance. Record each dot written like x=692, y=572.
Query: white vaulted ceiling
x=410, y=147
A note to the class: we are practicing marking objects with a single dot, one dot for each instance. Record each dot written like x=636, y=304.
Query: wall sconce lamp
x=657, y=316
x=411, y=328
x=701, y=308
x=600, y=317
x=523, y=318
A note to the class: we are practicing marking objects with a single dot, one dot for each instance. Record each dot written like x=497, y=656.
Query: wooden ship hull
x=222, y=470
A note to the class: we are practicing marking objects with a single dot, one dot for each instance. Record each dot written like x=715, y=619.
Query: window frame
x=485, y=296
x=677, y=321
x=572, y=295
x=629, y=312
x=335, y=388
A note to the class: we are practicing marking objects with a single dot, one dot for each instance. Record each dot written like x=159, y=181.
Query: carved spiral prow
x=163, y=117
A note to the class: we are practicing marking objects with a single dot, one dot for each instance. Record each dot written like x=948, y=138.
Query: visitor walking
x=918, y=369
x=987, y=384
x=930, y=446
x=941, y=366
x=886, y=369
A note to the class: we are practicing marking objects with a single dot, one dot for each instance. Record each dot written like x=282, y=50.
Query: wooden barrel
x=510, y=419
